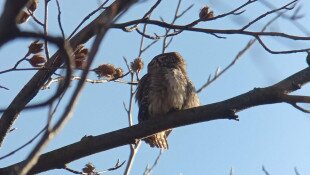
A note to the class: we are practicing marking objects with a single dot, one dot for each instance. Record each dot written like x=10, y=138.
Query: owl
x=165, y=88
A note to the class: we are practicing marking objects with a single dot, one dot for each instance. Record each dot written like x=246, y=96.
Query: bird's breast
x=167, y=92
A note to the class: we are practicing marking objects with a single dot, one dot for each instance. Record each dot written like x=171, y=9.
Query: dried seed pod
x=84, y=50
x=22, y=17
x=35, y=47
x=33, y=5
x=137, y=65
x=81, y=49
x=80, y=64
x=205, y=13
x=105, y=70
x=89, y=168
x=210, y=15
x=80, y=56
x=80, y=61
x=118, y=73
x=37, y=60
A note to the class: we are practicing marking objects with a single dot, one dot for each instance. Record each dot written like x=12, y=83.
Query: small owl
x=165, y=88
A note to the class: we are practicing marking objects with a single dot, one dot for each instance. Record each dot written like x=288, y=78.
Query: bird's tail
x=158, y=140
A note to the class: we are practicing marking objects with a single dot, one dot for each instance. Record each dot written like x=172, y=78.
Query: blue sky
x=276, y=136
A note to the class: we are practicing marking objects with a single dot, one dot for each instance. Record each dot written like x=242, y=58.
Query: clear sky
x=276, y=136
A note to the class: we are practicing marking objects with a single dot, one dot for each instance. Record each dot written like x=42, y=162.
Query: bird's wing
x=142, y=97
x=192, y=99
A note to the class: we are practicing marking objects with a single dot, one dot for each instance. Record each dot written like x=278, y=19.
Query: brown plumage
x=163, y=89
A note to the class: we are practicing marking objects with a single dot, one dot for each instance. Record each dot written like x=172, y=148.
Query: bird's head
x=171, y=60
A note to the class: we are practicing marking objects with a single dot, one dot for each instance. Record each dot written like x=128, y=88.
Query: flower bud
x=81, y=49
x=33, y=5
x=22, y=17
x=80, y=56
x=37, y=60
x=89, y=168
x=105, y=70
x=137, y=65
x=205, y=13
x=35, y=47
x=118, y=73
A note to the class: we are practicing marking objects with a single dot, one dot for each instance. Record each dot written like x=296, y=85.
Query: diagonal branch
x=7, y=19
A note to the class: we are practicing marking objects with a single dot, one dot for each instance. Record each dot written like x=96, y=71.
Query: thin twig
x=59, y=19
x=133, y=151
x=45, y=28
x=35, y=18
x=231, y=172
x=145, y=16
x=220, y=73
x=24, y=145
x=237, y=57
x=67, y=54
x=296, y=171
x=16, y=64
x=177, y=15
x=293, y=17
x=3, y=87
x=142, y=40
x=285, y=7
x=95, y=172
x=264, y=170
x=148, y=13
x=232, y=12
x=300, y=108
x=148, y=170
x=261, y=42
x=88, y=16
x=62, y=78
x=133, y=147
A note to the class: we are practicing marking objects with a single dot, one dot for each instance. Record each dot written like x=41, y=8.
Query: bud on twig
x=89, y=169
x=81, y=49
x=33, y=6
x=37, y=60
x=118, y=73
x=80, y=56
x=109, y=71
x=105, y=70
x=137, y=65
x=22, y=17
x=35, y=47
x=205, y=13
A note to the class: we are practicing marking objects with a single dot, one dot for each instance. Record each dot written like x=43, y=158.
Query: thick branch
x=7, y=19
x=221, y=110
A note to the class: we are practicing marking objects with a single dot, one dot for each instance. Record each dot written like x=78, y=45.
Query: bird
x=163, y=89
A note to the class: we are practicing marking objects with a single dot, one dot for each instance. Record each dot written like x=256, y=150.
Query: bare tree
x=73, y=61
